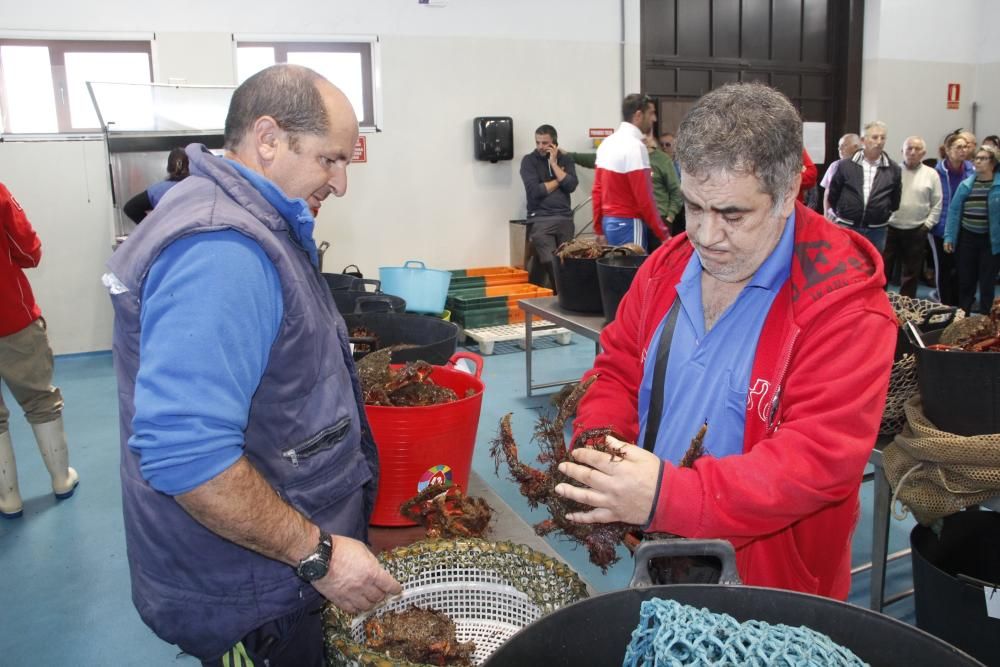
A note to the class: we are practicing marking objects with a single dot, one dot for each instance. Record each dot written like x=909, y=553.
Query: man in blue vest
x=248, y=469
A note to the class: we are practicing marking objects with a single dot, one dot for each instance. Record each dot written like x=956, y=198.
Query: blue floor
x=65, y=593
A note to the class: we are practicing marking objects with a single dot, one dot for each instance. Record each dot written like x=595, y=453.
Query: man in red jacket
x=765, y=322
x=26, y=361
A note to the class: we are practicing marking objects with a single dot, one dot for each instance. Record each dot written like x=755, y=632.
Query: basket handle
x=416, y=263
x=476, y=360
x=381, y=302
x=648, y=550
x=945, y=316
x=358, y=284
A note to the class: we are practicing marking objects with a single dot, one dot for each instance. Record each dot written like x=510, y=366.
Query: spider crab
x=408, y=385
x=538, y=486
x=444, y=511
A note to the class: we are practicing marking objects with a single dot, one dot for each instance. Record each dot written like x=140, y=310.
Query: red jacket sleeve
x=810, y=175
x=25, y=247
x=641, y=184
x=595, y=200
x=831, y=405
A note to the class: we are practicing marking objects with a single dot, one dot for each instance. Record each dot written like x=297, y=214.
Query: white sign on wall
x=814, y=141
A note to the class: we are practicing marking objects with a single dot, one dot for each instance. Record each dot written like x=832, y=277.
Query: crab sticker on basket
x=439, y=474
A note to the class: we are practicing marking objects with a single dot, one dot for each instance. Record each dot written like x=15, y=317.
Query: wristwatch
x=315, y=565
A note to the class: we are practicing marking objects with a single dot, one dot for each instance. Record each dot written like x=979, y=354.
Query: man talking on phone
x=549, y=178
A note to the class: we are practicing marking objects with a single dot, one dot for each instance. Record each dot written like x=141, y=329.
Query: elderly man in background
x=622, y=196
x=766, y=322
x=248, y=468
x=919, y=210
x=848, y=145
x=866, y=189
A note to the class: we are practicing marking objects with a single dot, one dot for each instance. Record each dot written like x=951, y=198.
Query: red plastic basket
x=418, y=446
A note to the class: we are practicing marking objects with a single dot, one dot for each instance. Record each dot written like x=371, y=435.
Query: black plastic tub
x=434, y=339
x=596, y=631
x=950, y=606
x=577, y=285
x=615, y=274
x=960, y=391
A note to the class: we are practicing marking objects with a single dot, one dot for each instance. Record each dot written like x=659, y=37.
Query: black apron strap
x=655, y=412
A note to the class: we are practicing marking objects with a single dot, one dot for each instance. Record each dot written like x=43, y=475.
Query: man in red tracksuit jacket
x=783, y=486
x=622, y=197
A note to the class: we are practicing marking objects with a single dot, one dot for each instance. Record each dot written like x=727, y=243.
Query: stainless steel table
x=547, y=307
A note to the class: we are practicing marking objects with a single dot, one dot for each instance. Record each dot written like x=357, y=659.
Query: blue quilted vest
x=307, y=433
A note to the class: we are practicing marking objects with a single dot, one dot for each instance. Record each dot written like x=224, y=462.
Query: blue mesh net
x=671, y=634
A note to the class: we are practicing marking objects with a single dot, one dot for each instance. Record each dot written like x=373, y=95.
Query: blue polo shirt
x=708, y=374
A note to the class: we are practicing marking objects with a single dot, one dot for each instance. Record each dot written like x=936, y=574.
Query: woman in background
x=177, y=170
x=953, y=168
x=973, y=231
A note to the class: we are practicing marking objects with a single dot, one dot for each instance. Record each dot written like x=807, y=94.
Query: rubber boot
x=52, y=444
x=11, y=506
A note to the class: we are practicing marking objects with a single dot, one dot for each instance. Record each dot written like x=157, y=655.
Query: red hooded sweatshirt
x=19, y=249
x=789, y=502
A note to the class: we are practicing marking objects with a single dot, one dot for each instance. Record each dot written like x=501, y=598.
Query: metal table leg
x=529, y=325
x=880, y=536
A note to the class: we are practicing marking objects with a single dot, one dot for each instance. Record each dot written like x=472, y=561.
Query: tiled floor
x=64, y=597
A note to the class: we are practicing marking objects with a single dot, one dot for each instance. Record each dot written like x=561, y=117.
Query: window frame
x=58, y=48
x=366, y=47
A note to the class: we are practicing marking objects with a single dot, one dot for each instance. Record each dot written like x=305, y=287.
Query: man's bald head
x=290, y=94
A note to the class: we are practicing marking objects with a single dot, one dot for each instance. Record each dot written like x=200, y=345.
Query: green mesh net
x=671, y=634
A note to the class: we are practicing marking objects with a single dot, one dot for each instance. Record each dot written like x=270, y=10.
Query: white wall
x=912, y=50
x=421, y=195
x=63, y=189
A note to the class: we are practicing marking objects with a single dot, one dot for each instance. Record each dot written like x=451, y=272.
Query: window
x=43, y=83
x=348, y=65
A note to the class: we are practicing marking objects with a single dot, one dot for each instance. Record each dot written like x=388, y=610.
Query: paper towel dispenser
x=494, y=138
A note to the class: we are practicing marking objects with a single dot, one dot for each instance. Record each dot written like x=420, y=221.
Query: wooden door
x=808, y=49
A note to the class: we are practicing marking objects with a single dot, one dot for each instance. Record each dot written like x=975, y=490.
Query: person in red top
x=798, y=415
x=810, y=175
x=26, y=362
x=622, y=197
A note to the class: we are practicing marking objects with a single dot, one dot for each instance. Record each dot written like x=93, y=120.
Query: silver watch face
x=312, y=568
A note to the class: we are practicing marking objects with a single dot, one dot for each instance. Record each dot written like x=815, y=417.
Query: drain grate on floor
x=487, y=338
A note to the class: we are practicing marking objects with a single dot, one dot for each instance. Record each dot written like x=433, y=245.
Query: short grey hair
x=744, y=128
x=876, y=124
x=287, y=93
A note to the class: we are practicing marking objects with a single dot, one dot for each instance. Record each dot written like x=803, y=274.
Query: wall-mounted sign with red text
x=954, y=95
x=601, y=132
x=360, y=150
